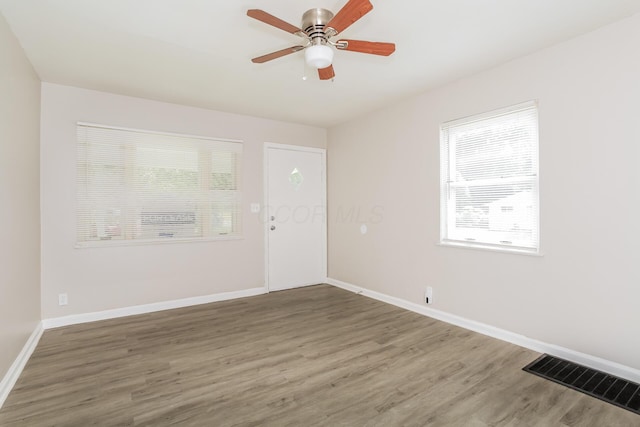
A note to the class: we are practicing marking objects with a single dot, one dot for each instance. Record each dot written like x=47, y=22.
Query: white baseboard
x=588, y=360
x=74, y=319
x=18, y=365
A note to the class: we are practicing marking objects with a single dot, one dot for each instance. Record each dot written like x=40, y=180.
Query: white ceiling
x=197, y=52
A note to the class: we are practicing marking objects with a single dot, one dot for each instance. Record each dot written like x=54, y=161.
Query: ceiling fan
x=318, y=27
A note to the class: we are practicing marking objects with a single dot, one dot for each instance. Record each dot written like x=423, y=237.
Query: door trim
x=265, y=213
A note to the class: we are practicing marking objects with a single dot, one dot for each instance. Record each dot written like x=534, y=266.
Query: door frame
x=265, y=212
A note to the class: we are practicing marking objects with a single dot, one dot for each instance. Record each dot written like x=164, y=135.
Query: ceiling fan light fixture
x=318, y=56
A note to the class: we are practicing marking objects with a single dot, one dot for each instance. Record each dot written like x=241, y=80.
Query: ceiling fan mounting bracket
x=340, y=44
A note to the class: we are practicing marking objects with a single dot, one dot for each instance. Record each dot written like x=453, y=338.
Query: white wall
x=19, y=198
x=584, y=292
x=115, y=277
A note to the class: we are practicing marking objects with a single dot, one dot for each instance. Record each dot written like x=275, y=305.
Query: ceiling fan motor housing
x=313, y=22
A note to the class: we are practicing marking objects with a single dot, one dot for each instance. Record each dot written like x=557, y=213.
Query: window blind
x=144, y=186
x=489, y=179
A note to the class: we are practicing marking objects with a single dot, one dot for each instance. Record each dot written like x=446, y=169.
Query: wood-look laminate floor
x=316, y=356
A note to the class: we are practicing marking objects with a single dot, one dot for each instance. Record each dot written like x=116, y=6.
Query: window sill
x=480, y=247
x=113, y=243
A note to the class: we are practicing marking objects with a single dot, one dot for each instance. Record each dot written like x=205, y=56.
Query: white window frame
x=450, y=233
x=134, y=218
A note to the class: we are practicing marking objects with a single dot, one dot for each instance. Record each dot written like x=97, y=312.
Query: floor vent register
x=609, y=388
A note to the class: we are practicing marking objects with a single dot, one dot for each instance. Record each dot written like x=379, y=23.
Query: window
x=142, y=186
x=489, y=180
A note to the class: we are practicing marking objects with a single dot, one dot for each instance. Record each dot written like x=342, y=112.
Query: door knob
x=273, y=227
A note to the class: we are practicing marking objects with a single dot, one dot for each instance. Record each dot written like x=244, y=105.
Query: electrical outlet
x=63, y=299
x=428, y=295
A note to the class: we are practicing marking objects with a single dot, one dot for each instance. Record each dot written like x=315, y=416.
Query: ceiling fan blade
x=267, y=18
x=350, y=13
x=374, y=48
x=326, y=73
x=278, y=54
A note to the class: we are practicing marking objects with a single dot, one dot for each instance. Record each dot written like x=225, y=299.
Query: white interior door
x=296, y=216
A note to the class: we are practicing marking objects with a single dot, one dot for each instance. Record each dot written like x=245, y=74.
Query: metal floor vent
x=609, y=388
